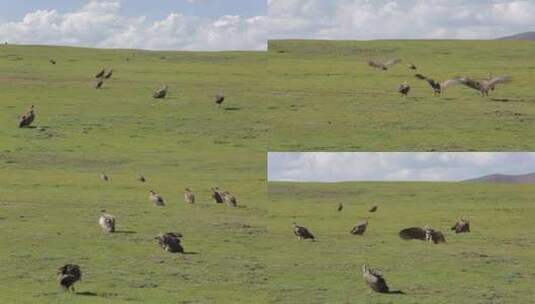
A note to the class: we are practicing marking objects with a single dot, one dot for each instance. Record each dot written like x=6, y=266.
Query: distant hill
x=521, y=36
x=503, y=178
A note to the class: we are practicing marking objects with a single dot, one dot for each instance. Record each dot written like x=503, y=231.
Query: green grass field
x=51, y=194
x=330, y=100
x=492, y=264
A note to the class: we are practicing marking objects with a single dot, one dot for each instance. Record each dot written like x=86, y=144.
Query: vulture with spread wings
x=383, y=65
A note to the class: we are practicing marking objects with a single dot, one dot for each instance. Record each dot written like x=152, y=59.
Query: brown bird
x=218, y=99
x=27, y=118
x=423, y=234
x=141, y=178
x=156, y=199
x=52, y=61
x=340, y=207
x=217, y=195
x=108, y=75
x=374, y=279
x=189, y=196
x=484, y=86
x=404, y=89
x=383, y=65
x=68, y=275
x=104, y=177
x=100, y=74
x=373, y=209
x=160, y=93
x=302, y=233
x=107, y=222
x=99, y=83
x=360, y=228
x=170, y=242
x=461, y=226
x=230, y=199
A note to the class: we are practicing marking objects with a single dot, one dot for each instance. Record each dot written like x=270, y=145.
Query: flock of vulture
x=69, y=274
x=373, y=278
x=483, y=86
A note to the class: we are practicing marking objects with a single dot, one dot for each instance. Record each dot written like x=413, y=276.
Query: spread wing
x=497, y=80
x=450, y=82
x=391, y=62
x=413, y=233
x=376, y=64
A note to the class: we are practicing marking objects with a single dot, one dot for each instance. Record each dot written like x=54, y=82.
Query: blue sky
x=207, y=25
x=12, y=10
x=394, y=166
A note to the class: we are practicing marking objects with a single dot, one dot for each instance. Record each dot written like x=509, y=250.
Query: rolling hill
x=504, y=178
x=521, y=36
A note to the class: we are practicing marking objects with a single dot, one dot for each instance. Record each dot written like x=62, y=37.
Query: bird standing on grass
x=373, y=209
x=156, y=199
x=170, y=242
x=374, y=279
x=107, y=222
x=104, y=177
x=100, y=74
x=404, y=89
x=189, y=196
x=27, y=118
x=160, y=93
x=68, y=275
x=218, y=99
x=217, y=195
x=340, y=207
x=108, y=75
x=302, y=233
x=359, y=228
x=461, y=226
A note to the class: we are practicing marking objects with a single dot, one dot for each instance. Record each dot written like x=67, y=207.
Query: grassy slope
x=328, y=271
x=329, y=99
x=51, y=194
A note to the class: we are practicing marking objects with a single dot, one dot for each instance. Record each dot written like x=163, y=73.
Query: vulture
x=107, y=222
x=461, y=226
x=108, y=75
x=437, y=87
x=217, y=195
x=383, y=65
x=100, y=74
x=99, y=83
x=404, y=89
x=340, y=207
x=52, y=61
x=360, y=228
x=412, y=67
x=373, y=209
x=104, y=177
x=423, y=234
x=156, y=199
x=160, y=93
x=483, y=86
x=68, y=275
x=27, y=118
x=141, y=178
x=230, y=199
x=374, y=279
x=302, y=233
x=189, y=196
x=219, y=98
x=170, y=241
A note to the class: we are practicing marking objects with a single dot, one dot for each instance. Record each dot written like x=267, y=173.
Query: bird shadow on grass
x=87, y=293
x=232, y=109
x=125, y=231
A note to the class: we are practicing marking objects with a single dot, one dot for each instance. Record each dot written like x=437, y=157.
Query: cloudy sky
x=154, y=24
x=382, y=19
x=394, y=166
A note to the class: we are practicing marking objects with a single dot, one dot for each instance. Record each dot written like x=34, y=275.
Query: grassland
x=51, y=194
x=492, y=264
x=328, y=99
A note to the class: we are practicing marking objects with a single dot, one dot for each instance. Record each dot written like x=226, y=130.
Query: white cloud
x=366, y=19
x=425, y=166
x=100, y=24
